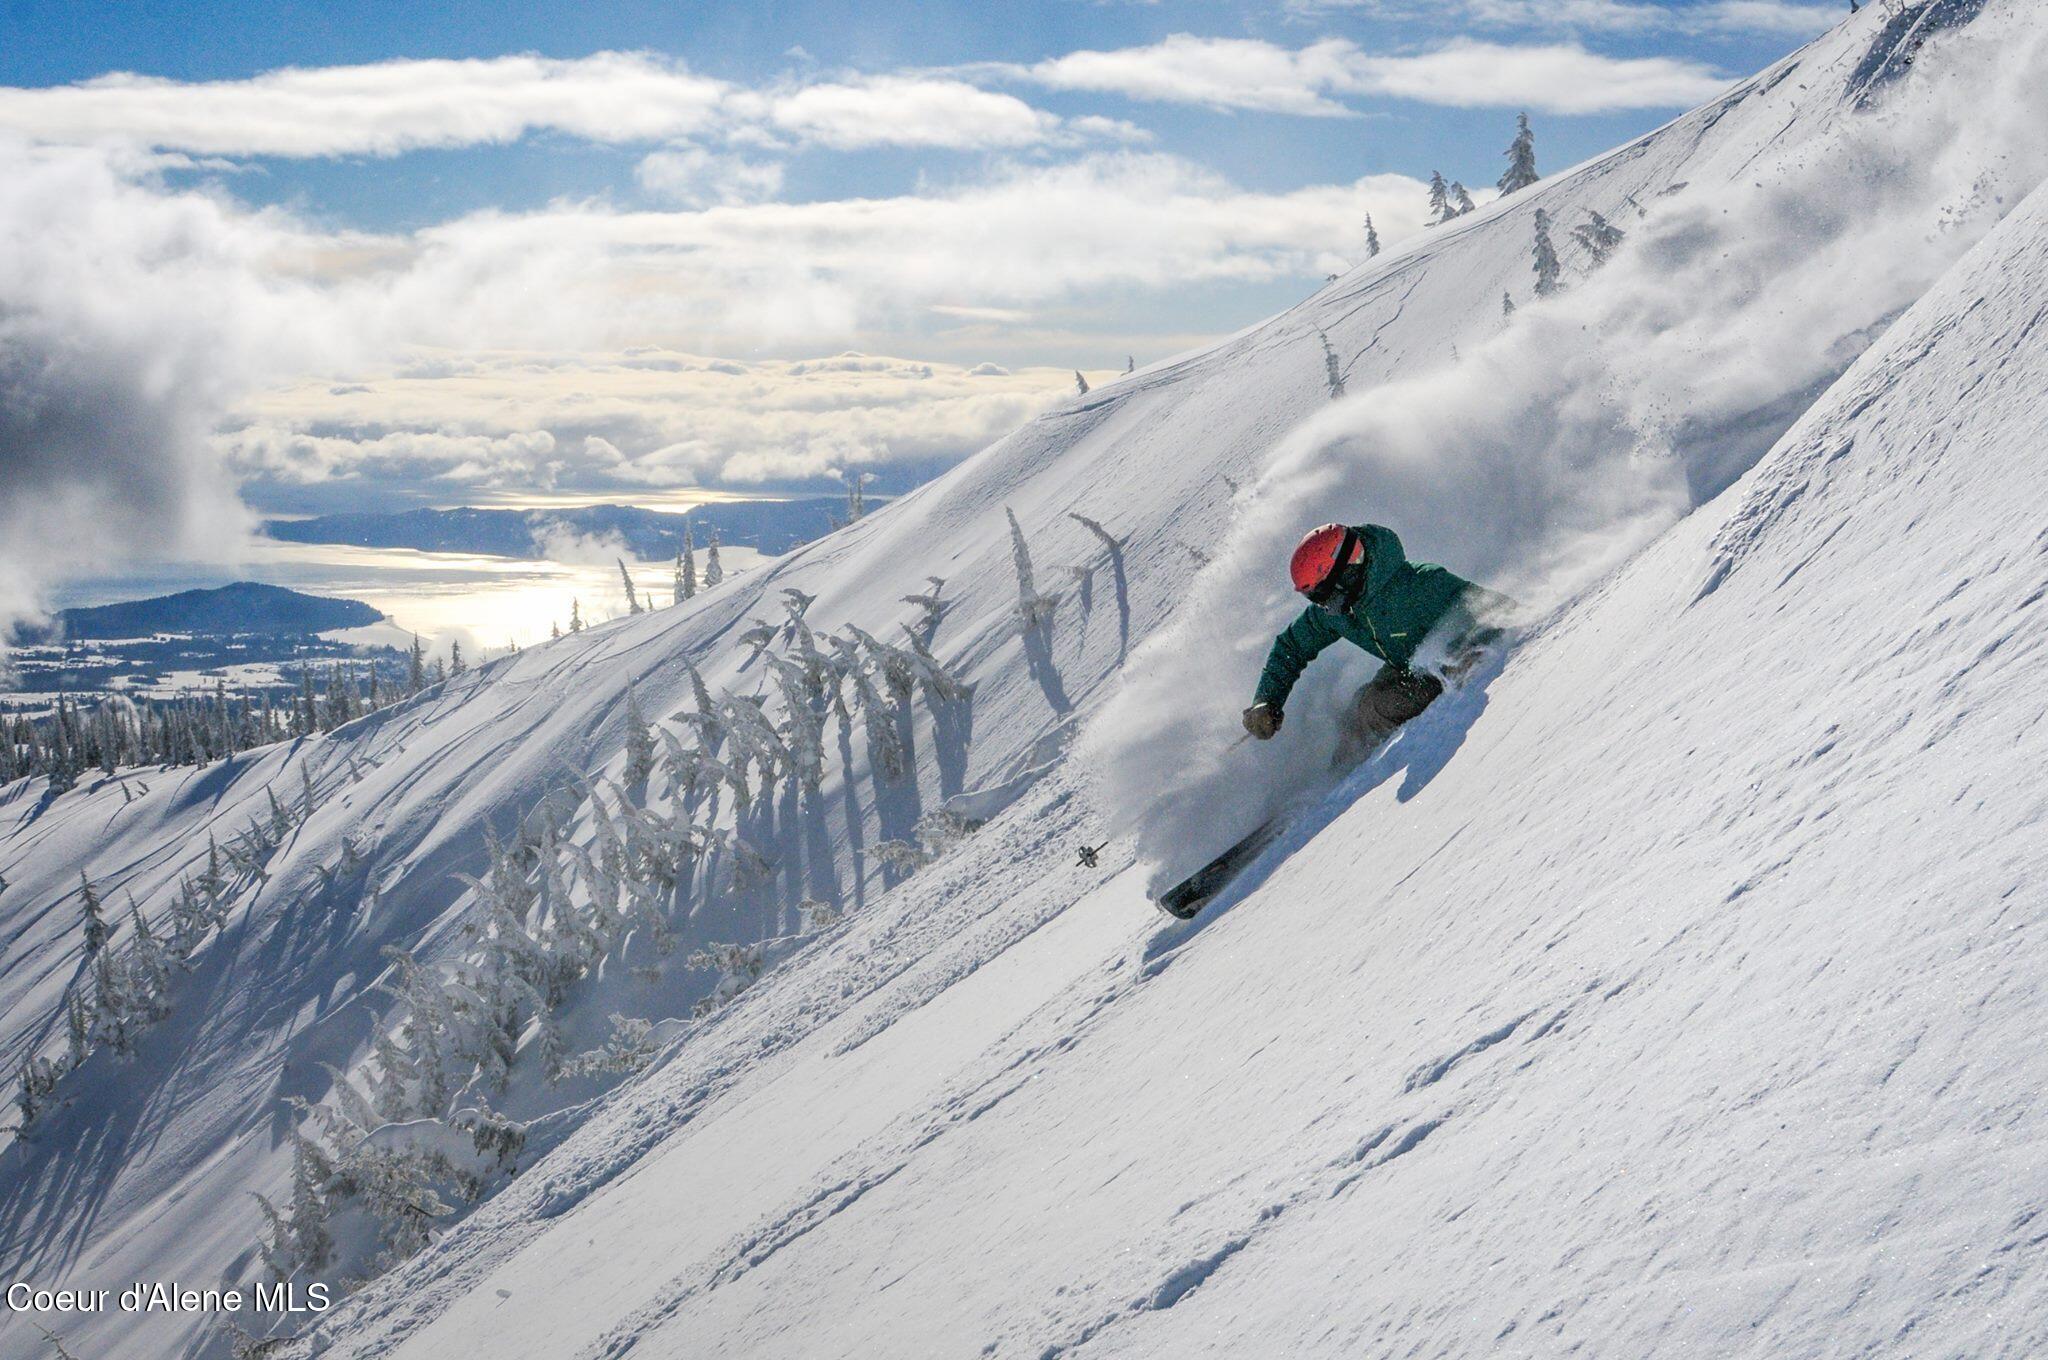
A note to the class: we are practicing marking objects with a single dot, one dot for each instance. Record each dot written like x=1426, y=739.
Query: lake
x=485, y=602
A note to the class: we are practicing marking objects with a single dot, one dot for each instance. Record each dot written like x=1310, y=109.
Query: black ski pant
x=1383, y=703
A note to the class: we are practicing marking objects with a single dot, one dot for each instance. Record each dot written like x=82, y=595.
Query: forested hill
x=243, y=607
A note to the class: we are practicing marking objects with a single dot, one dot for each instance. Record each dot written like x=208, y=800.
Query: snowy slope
x=1638, y=875
x=1687, y=1010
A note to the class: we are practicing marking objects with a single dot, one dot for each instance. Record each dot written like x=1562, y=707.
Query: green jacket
x=1403, y=600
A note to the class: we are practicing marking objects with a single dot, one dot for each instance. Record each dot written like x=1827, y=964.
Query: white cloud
x=1230, y=73
x=1557, y=78
x=808, y=273
x=695, y=178
x=907, y=111
x=393, y=107
x=1774, y=16
x=1796, y=18
x=135, y=322
x=129, y=319
x=645, y=418
x=381, y=109
x=1246, y=73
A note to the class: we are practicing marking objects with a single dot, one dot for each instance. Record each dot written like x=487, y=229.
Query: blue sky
x=402, y=254
x=45, y=43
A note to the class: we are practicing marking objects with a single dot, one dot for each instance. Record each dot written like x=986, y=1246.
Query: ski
x=1185, y=900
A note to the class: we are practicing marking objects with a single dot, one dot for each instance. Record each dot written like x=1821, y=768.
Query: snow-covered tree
x=1461, y=200
x=1546, y=265
x=878, y=722
x=34, y=1085
x=639, y=741
x=1507, y=305
x=1439, y=199
x=632, y=596
x=856, y=494
x=1521, y=154
x=95, y=921
x=714, y=570
x=1033, y=608
x=686, y=565
x=738, y=967
x=1599, y=236
x=149, y=972
x=1372, y=238
x=627, y=1049
x=456, y=664
x=760, y=637
x=1108, y=539
x=575, y=616
x=929, y=603
x=1333, y=371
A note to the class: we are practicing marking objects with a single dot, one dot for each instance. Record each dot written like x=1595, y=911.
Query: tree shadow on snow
x=1038, y=661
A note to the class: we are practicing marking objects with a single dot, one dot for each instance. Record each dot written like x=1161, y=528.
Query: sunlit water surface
x=487, y=603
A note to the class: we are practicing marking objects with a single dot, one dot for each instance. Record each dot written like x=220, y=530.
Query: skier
x=1362, y=588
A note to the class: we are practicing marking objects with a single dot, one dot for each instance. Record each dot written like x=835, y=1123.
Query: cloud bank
x=1247, y=73
x=648, y=418
x=623, y=98
x=129, y=321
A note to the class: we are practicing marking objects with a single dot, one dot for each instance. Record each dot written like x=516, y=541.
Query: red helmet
x=1321, y=552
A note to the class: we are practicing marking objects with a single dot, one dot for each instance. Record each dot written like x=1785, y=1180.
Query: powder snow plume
x=1553, y=452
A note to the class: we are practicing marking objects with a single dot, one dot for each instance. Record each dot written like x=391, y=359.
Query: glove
x=1262, y=721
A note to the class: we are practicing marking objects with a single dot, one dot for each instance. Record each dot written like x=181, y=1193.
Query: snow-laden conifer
x=1521, y=154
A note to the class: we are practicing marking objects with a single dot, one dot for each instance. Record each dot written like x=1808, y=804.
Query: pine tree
x=1032, y=607
x=1372, y=238
x=416, y=666
x=1333, y=372
x=110, y=1005
x=1461, y=200
x=1599, y=237
x=311, y=1172
x=856, y=494
x=1439, y=199
x=632, y=597
x=575, y=616
x=95, y=922
x=1130, y=364
x=554, y=631
x=1080, y=383
x=639, y=741
x=456, y=665
x=1546, y=265
x=1507, y=305
x=149, y=967
x=714, y=570
x=77, y=1029
x=1521, y=154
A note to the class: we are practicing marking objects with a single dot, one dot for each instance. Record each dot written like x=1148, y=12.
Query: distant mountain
x=244, y=607
x=649, y=535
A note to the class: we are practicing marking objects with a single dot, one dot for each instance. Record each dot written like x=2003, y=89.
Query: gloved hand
x=1262, y=721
